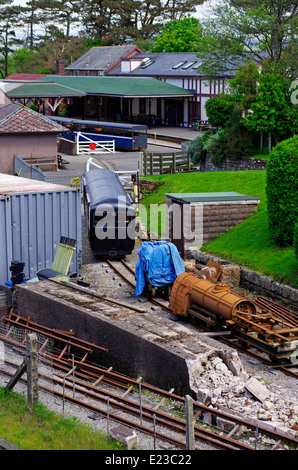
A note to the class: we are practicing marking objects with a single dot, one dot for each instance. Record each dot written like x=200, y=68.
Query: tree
x=43, y=60
x=219, y=110
x=10, y=19
x=123, y=21
x=244, y=86
x=35, y=14
x=273, y=112
x=178, y=9
x=179, y=36
x=243, y=30
x=65, y=12
x=96, y=17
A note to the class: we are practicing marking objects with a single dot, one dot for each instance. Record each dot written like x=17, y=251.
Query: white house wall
x=204, y=100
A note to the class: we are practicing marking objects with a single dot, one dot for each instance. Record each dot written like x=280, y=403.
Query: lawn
x=37, y=428
x=247, y=244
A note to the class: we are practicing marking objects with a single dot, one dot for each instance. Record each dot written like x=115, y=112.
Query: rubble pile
x=221, y=383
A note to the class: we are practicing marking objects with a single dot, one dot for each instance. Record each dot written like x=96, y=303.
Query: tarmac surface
x=129, y=161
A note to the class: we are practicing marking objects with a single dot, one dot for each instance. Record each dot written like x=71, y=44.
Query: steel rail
x=267, y=362
x=133, y=408
x=153, y=301
x=93, y=372
x=107, y=414
x=231, y=344
x=278, y=310
x=54, y=334
x=200, y=407
x=161, y=418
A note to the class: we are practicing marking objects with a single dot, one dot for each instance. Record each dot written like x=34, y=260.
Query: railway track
x=131, y=273
x=281, y=311
x=105, y=394
x=108, y=404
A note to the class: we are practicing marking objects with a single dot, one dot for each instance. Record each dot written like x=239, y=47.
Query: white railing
x=93, y=146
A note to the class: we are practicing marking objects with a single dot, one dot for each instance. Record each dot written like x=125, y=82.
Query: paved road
x=121, y=161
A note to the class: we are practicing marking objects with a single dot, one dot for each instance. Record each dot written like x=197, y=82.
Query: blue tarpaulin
x=159, y=264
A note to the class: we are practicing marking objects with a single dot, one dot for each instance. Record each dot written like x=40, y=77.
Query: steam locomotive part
x=216, y=305
x=189, y=289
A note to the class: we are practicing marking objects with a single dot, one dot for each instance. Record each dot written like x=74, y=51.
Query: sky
x=203, y=11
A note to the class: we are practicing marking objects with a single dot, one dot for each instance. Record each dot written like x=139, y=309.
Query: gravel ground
x=283, y=389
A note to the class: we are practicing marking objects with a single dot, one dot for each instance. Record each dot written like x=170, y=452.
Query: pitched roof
x=103, y=57
x=164, y=64
x=17, y=119
x=120, y=86
x=25, y=76
x=43, y=90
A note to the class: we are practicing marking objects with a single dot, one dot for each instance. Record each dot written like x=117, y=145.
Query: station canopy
x=49, y=89
x=52, y=86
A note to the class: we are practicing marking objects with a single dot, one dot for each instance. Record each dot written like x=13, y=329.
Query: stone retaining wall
x=232, y=164
x=148, y=186
x=258, y=283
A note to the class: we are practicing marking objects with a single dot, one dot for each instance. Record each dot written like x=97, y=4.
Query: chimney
x=60, y=66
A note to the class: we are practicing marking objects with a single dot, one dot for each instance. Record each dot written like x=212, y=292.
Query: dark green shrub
x=216, y=146
x=296, y=240
x=196, y=150
x=282, y=193
x=239, y=146
x=33, y=107
x=219, y=110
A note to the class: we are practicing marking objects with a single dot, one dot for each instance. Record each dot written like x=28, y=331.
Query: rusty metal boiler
x=189, y=289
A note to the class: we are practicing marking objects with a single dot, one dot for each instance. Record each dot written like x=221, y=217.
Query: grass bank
x=37, y=428
x=247, y=244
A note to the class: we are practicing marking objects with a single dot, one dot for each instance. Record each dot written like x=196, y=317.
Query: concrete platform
x=165, y=353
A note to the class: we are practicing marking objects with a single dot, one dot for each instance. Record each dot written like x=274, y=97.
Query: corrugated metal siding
x=5, y=240
x=38, y=220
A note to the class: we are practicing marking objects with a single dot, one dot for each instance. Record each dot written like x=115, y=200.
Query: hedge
x=282, y=191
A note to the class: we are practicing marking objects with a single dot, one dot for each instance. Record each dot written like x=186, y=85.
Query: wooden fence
x=162, y=163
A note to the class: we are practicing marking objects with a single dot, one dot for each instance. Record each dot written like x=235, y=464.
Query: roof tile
x=17, y=119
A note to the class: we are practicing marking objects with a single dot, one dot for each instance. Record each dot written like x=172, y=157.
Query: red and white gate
x=88, y=145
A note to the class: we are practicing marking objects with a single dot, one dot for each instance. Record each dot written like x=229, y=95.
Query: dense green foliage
x=233, y=141
x=248, y=243
x=57, y=27
x=179, y=36
x=295, y=244
x=219, y=109
x=282, y=193
x=272, y=111
x=196, y=151
x=258, y=111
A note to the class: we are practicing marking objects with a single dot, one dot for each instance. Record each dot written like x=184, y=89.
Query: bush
x=281, y=189
x=216, y=145
x=219, y=110
x=296, y=240
x=196, y=150
x=239, y=146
